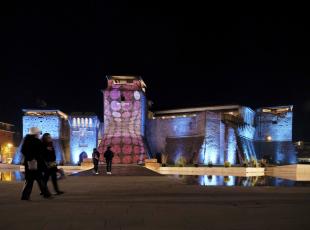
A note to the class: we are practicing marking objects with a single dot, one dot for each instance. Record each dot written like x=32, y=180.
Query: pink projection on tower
x=124, y=117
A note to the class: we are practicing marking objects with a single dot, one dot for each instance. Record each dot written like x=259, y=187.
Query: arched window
x=78, y=121
x=90, y=122
x=74, y=122
x=82, y=122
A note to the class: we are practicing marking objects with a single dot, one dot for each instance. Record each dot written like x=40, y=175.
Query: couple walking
x=40, y=163
x=108, y=155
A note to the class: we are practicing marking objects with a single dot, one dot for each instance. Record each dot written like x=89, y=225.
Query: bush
x=164, y=158
x=210, y=164
x=245, y=164
x=263, y=162
x=254, y=163
x=181, y=162
x=227, y=164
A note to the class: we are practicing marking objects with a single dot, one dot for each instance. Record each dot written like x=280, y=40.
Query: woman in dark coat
x=32, y=151
x=50, y=161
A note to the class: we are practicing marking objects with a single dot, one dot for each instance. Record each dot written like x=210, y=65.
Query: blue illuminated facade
x=53, y=122
x=83, y=136
x=204, y=135
x=273, y=134
x=235, y=134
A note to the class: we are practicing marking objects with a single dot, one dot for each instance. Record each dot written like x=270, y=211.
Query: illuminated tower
x=83, y=135
x=53, y=122
x=124, y=119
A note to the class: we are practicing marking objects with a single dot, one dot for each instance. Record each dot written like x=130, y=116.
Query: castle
x=204, y=135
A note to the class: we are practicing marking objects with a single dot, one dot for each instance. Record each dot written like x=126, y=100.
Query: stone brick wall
x=51, y=124
x=159, y=129
x=279, y=127
x=213, y=147
x=47, y=124
x=204, y=133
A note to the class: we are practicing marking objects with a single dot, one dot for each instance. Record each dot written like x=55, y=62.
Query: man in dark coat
x=96, y=156
x=32, y=150
x=108, y=155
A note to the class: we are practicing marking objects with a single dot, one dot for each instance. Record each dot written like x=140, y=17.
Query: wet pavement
x=120, y=170
x=153, y=202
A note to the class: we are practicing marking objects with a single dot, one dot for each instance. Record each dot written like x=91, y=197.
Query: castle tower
x=83, y=135
x=124, y=119
x=53, y=122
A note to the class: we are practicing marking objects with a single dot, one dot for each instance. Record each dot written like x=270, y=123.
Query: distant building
x=72, y=135
x=6, y=142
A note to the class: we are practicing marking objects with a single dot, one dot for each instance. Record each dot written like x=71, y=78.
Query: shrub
x=164, y=158
x=181, y=162
x=227, y=164
x=254, y=163
x=210, y=164
x=263, y=162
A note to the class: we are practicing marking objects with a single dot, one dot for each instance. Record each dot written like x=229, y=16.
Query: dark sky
x=188, y=56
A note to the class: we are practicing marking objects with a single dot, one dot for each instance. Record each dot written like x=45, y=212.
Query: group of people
x=40, y=163
x=108, y=155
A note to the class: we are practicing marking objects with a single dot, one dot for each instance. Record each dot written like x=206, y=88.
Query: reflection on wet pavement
x=211, y=180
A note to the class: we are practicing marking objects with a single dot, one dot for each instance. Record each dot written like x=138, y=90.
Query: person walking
x=32, y=151
x=49, y=157
x=96, y=156
x=108, y=155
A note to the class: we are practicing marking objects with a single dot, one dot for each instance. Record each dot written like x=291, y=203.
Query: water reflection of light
x=9, y=176
x=208, y=180
x=251, y=181
x=18, y=176
x=211, y=180
x=230, y=181
x=6, y=176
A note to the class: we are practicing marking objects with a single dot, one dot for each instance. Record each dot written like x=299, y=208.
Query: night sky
x=188, y=56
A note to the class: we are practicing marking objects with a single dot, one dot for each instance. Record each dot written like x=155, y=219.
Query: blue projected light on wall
x=209, y=154
x=47, y=124
x=182, y=125
x=232, y=146
x=83, y=136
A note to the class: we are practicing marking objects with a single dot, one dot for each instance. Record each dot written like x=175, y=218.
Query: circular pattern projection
x=123, y=124
x=137, y=95
x=115, y=105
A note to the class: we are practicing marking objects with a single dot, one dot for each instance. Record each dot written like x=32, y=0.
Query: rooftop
x=83, y=114
x=198, y=109
x=44, y=112
x=130, y=79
